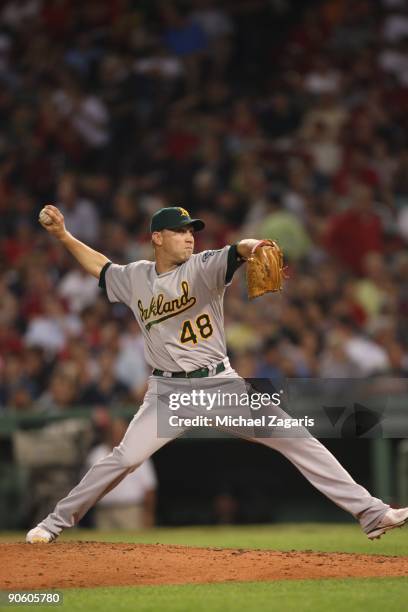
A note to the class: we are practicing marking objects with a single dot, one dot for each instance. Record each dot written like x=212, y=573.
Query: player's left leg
x=325, y=473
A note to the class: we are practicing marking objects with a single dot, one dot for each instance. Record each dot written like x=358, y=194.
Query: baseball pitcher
x=177, y=300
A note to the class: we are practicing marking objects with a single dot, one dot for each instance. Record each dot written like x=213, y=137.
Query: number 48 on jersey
x=193, y=331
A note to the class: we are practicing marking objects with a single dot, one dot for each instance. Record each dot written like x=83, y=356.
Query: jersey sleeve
x=116, y=282
x=217, y=268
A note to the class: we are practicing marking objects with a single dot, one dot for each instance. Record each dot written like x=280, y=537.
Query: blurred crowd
x=267, y=118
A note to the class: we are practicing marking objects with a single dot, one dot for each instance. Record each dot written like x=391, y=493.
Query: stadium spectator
x=354, y=233
x=131, y=505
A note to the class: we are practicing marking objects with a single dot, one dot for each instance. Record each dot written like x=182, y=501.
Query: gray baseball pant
x=140, y=441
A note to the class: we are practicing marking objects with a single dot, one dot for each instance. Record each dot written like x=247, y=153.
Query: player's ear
x=157, y=239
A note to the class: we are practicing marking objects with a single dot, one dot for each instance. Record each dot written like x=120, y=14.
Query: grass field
x=314, y=595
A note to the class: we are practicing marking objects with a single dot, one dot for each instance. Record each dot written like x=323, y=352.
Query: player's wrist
x=64, y=236
x=261, y=243
x=245, y=247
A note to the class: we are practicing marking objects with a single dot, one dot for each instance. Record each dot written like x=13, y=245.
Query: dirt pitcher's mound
x=88, y=564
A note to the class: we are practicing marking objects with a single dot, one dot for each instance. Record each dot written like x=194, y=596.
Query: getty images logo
x=357, y=421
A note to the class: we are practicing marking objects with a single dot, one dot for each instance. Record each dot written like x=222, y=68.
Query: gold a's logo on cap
x=183, y=211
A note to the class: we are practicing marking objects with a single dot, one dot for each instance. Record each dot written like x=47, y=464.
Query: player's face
x=178, y=244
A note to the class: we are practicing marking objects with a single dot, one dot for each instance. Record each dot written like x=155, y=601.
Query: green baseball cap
x=172, y=218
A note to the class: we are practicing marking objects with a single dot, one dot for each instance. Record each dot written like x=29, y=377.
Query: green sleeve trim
x=234, y=261
x=102, y=281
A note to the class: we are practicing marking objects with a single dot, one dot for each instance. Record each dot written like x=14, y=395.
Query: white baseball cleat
x=392, y=519
x=39, y=535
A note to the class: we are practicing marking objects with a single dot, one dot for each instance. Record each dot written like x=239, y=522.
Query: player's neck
x=164, y=265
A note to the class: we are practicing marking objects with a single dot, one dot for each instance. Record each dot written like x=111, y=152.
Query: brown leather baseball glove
x=265, y=272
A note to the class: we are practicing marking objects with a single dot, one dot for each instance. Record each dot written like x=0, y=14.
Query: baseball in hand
x=44, y=217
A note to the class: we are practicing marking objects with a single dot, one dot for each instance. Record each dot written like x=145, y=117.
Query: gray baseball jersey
x=179, y=312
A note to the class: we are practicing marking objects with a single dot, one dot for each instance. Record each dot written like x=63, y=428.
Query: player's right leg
x=139, y=442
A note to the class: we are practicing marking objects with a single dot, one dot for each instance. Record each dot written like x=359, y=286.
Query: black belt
x=200, y=373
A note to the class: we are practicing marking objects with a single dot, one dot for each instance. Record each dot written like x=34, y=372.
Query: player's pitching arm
x=53, y=221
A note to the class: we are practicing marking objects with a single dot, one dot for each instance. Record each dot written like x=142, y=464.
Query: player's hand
x=57, y=226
